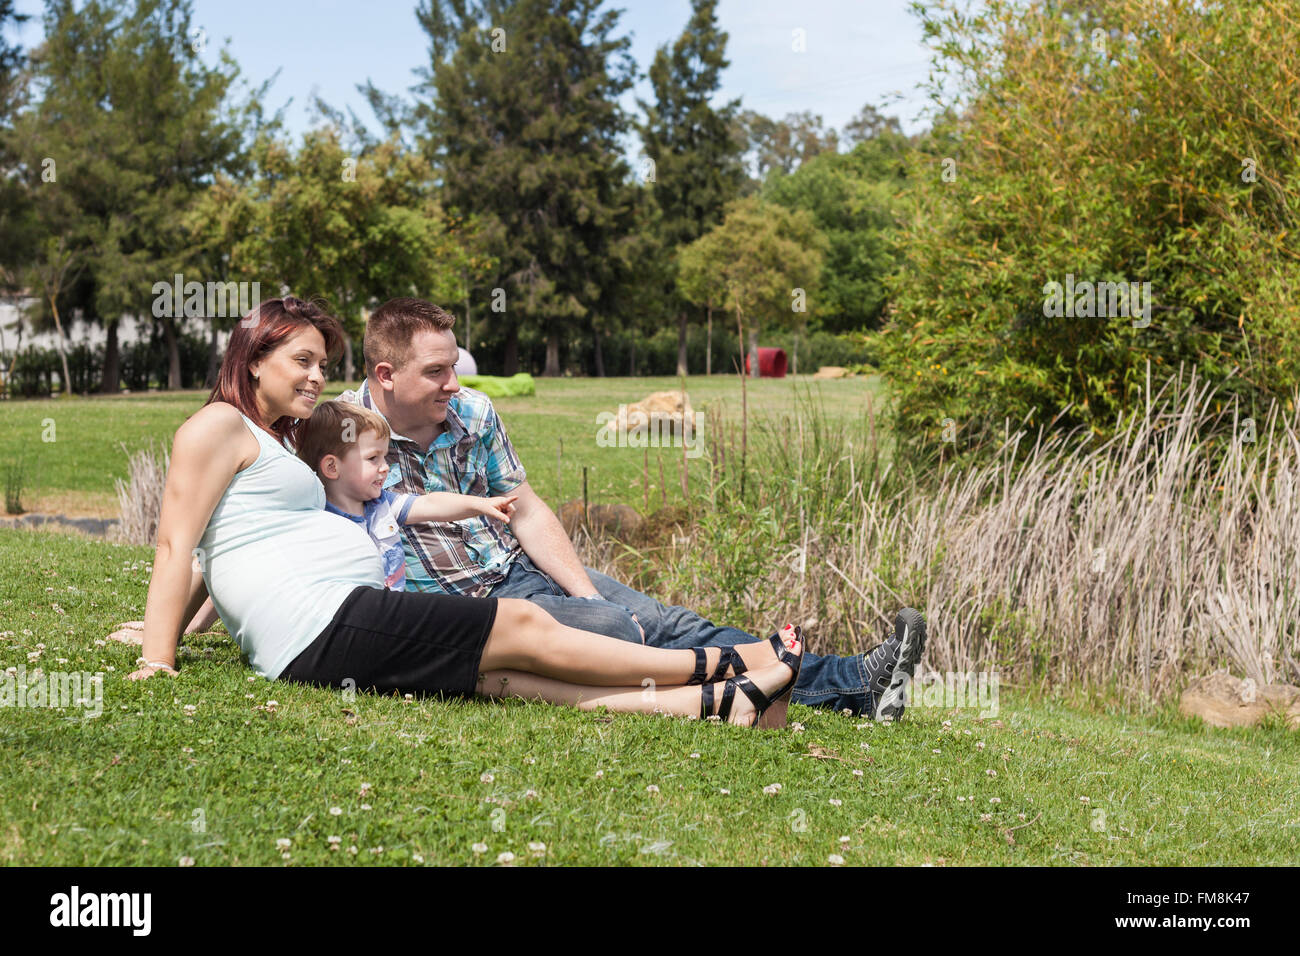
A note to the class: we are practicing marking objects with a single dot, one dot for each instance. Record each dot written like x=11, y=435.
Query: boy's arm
x=447, y=506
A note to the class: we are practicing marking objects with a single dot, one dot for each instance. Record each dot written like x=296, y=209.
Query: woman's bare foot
x=774, y=680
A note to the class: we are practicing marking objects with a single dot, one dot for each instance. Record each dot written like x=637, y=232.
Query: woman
x=302, y=591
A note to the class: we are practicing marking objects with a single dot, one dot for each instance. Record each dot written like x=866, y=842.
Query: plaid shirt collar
x=453, y=429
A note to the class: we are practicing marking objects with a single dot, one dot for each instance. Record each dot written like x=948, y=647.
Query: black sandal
x=751, y=690
x=730, y=658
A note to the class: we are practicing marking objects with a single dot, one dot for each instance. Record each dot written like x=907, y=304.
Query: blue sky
x=856, y=51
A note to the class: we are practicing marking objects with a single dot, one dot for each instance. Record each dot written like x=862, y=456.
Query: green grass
x=74, y=473
x=147, y=783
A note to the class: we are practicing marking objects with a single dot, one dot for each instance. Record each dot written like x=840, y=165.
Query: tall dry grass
x=1167, y=551
x=139, y=498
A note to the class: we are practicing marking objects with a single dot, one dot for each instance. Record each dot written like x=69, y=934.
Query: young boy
x=346, y=446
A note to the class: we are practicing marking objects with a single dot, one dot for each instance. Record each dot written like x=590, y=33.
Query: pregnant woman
x=302, y=590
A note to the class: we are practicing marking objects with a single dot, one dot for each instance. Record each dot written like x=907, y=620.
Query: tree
x=783, y=145
x=692, y=146
x=371, y=222
x=868, y=125
x=132, y=125
x=852, y=198
x=519, y=114
x=15, y=218
x=762, y=263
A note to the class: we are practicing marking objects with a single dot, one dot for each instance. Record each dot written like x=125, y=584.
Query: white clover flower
x=857, y=773
x=186, y=861
x=486, y=778
x=537, y=848
x=652, y=789
x=479, y=848
x=835, y=860
x=836, y=803
x=336, y=811
x=505, y=858
x=997, y=800
x=282, y=843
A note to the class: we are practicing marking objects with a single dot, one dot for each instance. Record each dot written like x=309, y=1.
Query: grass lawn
x=203, y=767
x=73, y=474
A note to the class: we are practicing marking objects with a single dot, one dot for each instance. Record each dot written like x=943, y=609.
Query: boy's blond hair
x=333, y=428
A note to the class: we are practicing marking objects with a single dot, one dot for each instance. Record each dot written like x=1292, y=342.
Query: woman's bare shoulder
x=214, y=428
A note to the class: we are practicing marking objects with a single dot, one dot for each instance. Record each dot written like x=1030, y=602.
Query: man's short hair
x=333, y=428
x=392, y=326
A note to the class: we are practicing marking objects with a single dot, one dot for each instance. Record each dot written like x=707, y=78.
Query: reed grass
x=1126, y=565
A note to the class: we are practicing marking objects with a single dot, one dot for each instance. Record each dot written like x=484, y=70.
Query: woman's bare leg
x=526, y=638
x=650, y=699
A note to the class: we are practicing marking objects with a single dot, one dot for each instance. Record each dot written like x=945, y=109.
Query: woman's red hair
x=257, y=335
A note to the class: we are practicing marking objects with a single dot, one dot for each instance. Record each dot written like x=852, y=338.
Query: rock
x=1222, y=700
x=832, y=371
x=618, y=520
x=657, y=411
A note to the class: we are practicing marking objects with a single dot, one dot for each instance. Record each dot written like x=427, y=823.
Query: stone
x=659, y=411
x=1222, y=700
x=616, y=520
x=832, y=371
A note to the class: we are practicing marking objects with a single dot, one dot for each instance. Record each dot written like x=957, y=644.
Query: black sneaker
x=891, y=665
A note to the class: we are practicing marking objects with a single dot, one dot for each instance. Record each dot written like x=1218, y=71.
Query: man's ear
x=384, y=375
x=329, y=467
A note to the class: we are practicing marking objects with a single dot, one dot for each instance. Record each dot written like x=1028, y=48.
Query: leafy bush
x=32, y=372
x=1114, y=141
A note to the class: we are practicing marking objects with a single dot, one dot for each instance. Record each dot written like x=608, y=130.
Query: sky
x=854, y=51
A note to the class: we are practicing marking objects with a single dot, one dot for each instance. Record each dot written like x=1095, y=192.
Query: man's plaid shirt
x=472, y=456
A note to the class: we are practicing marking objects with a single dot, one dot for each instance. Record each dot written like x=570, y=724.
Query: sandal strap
x=707, y=698
x=729, y=658
x=701, y=665
x=728, y=696
x=755, y=694
x=782, y=652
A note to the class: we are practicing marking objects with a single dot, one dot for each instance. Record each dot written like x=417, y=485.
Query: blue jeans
x=836, y=683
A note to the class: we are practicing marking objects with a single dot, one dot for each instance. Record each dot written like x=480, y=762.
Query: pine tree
x=519, y=113
x=692, y=145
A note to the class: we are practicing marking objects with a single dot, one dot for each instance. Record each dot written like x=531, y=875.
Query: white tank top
x=276, y=564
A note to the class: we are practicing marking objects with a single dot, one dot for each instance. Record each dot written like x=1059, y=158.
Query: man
x=449, y=438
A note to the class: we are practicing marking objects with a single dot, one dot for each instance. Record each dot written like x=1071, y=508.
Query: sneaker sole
x=910, y=628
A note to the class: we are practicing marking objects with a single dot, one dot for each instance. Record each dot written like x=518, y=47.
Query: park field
x=71, y=450
x=221, y=767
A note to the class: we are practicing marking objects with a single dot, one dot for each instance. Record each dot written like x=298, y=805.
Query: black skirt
x=405, y=641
